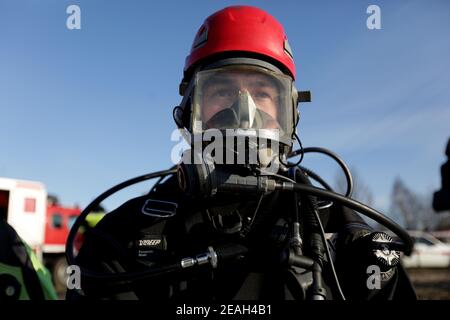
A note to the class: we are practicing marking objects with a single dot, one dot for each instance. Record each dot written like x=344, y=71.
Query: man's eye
x=223, y=94
x=261, y=95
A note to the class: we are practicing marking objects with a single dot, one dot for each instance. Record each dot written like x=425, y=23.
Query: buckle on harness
x=159, y=208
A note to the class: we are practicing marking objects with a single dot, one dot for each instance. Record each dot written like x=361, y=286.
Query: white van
x=23, y=204
x=429, y=252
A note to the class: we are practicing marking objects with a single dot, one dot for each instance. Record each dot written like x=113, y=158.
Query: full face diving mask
x=243, y=114
x=244, y=101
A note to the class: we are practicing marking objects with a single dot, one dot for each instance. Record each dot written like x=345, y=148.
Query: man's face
x=222, y=90
x=244, y=97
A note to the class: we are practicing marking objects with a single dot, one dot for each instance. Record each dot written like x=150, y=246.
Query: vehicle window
x=423, y=241
x=4, y=201
x=57, y=221
x=71, y=221
x=30, y=205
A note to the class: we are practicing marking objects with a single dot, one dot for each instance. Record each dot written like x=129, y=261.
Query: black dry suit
x=138, y=236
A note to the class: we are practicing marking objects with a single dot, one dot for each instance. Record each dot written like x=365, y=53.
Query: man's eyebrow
x=263, y=80
x=218, y=79
x=264, y=83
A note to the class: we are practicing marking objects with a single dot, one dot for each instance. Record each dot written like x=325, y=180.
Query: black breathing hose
x=316, y=177
x=337, y=158
x=317, y=242
x=355, y=205
x=81, y=218
x=316, y=246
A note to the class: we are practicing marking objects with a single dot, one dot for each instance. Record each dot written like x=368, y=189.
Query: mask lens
x=242, y=98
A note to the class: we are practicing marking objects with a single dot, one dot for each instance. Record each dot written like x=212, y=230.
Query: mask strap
x=290, y=165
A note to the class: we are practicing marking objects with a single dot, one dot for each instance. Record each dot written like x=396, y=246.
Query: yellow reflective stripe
x=45, y=278
x=94, y=217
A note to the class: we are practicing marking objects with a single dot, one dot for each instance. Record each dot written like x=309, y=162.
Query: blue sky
x=82, y=110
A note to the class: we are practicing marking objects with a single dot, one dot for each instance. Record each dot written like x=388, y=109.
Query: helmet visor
x=248, y=98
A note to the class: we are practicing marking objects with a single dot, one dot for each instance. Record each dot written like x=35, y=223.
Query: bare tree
x=414, y=209
x=361, y=190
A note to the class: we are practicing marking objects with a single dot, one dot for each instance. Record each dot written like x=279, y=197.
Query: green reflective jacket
x=22, y=275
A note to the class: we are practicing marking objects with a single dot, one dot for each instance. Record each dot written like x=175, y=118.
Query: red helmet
x=242, y=29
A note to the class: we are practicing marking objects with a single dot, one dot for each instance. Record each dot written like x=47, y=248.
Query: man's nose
x=247, y=109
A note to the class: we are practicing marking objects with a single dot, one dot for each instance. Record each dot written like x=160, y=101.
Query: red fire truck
x=59, y=220
x=42, y=223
